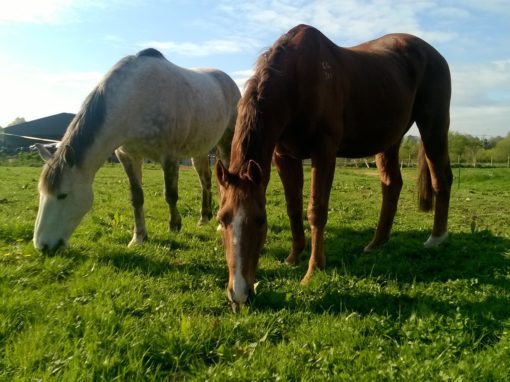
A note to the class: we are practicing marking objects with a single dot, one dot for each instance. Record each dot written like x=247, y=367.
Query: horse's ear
x=222, y=173
x=254, y=172
x=43, y=152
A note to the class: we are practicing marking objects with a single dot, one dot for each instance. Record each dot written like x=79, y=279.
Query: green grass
x=102, y=311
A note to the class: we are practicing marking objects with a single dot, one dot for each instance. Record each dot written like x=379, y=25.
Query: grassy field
x=102, y=311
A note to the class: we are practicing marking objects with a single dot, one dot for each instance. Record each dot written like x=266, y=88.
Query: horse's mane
x=150, y=52
x=247, y=134
x=84, y=127
x=77, y=139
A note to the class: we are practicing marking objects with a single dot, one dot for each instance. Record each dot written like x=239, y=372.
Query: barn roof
x=51, y=126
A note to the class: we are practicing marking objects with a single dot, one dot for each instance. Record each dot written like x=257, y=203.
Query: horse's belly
x=367, y=142
x=202, y=138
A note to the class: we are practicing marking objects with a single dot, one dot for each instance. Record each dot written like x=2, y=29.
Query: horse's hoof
x=368, y=248
x=202, y=222
x=292, y=259
x=175, y=226
x=306, y=279
x=137, y=240
x=435, y=241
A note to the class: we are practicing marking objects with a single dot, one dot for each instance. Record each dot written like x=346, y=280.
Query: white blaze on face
x=240, y=286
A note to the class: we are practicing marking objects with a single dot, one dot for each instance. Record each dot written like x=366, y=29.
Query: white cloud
x=241, y=76
x=36, y=93
x=207, y=48
x=45, y=11
x=481, y=120
x=481, y=98
x=486, y=84
x=500, y=7
x=348, y=22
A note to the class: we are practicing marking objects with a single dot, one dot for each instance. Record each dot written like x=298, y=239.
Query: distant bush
x=25, y=159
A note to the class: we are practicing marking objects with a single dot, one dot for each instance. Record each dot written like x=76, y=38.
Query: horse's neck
x=259, y=150
x=102, y=148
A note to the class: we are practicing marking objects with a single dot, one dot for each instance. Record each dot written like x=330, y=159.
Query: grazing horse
x=309, y=98
x=145, y=107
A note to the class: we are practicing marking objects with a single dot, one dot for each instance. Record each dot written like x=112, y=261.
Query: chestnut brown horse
x=309, y=98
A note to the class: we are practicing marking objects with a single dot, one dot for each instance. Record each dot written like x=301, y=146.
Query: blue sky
x=55, y=51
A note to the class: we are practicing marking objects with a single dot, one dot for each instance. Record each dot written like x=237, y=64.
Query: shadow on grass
x=480, y=256
x=162, y=265
x=478, y=260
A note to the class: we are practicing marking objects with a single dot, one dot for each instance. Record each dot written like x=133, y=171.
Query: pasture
x=100, y=311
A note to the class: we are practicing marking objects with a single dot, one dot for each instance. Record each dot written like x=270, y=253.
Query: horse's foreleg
x=171, y=174
x=133, y=168
x=391, y=185
x=201, y=164
x=291, y=175
x=323, y=170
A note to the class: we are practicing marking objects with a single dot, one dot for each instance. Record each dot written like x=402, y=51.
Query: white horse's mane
x=85, y=126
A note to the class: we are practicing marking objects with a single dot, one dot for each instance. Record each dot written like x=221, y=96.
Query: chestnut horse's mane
x=247, y=133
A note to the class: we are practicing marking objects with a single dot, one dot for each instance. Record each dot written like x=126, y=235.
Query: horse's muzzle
x=46, y=248
x=236, y=304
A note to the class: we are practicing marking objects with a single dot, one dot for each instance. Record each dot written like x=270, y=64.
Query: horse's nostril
x=60, y=244
x=44, y=248
x=250, y=296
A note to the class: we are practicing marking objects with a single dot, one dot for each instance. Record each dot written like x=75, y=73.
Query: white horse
x=145, y=107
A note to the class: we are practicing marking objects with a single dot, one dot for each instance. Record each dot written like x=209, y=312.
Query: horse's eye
x=61, y=196
x=225, y=220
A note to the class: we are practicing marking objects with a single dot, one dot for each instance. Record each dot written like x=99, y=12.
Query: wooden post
x=458, y=165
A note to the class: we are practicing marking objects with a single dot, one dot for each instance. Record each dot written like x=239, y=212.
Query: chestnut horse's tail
x=425, y=193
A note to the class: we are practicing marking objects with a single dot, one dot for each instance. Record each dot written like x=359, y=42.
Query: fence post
x=458, y=165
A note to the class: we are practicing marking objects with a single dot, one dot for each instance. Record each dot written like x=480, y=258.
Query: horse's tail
x=425, y=193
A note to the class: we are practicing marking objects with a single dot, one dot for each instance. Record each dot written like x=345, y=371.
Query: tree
x=409, y=149
x=502, y=149
x=17, y=121
x=457, y=146
x=473, y=147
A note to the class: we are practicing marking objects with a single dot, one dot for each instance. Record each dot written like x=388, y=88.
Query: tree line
x=464, y=149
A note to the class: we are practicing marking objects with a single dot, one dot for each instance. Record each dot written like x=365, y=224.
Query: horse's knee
x=317, y=214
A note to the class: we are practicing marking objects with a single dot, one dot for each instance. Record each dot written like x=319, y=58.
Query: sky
x=54, y=52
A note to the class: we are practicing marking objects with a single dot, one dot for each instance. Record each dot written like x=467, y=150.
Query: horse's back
x=369, y=94
x=169, y=110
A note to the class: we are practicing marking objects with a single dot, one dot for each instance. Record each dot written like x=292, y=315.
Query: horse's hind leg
x=133, y=168
x=436, y=173
x=291, y=174
x=171, y=174
x=391, y=185
x=201, y=164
